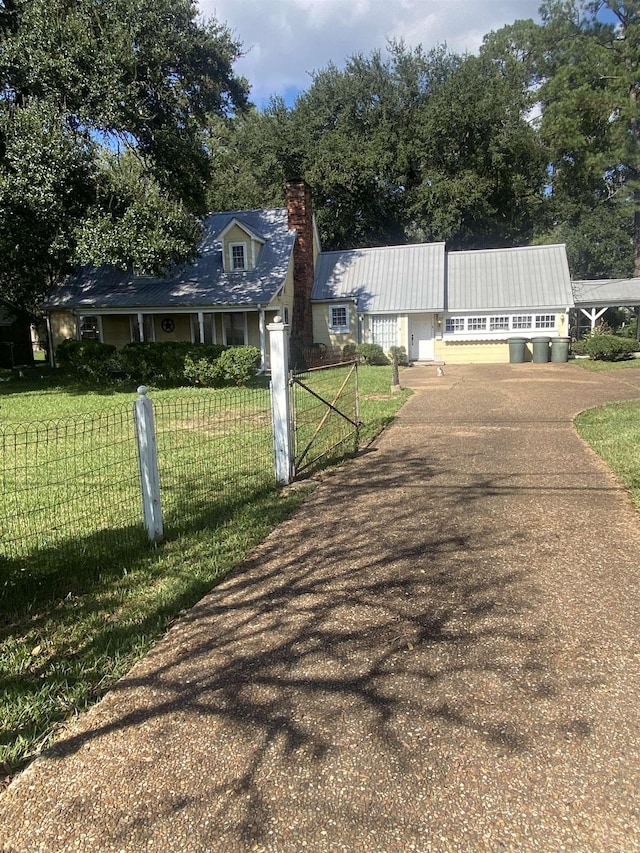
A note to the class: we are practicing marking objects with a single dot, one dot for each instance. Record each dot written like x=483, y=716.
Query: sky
x=286, y=40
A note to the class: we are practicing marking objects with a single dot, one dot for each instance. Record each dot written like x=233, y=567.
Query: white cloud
x=286, y=40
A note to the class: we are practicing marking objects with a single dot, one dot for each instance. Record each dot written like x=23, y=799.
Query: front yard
x=65, y=640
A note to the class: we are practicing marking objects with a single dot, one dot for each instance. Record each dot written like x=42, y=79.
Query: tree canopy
x=122, y=121
x=409, y=146
x=534, y=140
x=583, y=64
x=104, y=154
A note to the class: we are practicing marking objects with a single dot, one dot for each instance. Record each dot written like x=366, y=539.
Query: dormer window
x=238, y=256
x=241, y=246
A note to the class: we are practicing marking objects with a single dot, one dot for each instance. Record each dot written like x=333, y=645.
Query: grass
x=600, y=366
x=71, y=626
x=613, y=431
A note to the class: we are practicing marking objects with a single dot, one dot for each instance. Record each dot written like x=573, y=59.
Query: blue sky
x=286, y=40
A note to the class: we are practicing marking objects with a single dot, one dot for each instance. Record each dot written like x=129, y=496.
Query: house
x=251, y=265
x=390, y=296
x=16, y=347
x=441, y=306
x=497, y=294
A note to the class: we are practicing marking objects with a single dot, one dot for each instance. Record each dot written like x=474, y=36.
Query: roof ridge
x=384, y=248
x=245, y=211
x=507, y=249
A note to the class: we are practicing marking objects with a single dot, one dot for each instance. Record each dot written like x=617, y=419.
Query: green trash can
x=517, y=349
x=560, y=350
x=540, y=350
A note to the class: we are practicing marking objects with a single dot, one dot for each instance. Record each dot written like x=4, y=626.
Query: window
x=339, y=318
x=545, y=321
x=148, y=328
x=234, y=323
x=477, y=324
x=497, y=324
x=285, y=314
x=208, y=329
x=521, y=321
x=454, y=324
x=238, y=256
x=89, y=328
x=384, y=330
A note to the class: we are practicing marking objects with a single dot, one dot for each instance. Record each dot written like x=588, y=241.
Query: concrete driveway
x=438, y=652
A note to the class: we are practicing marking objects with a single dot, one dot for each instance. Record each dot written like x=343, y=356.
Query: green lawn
x=613, y=431
x=600, y=366
x=71, y=626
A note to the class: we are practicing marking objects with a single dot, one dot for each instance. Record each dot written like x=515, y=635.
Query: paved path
x=438, y=652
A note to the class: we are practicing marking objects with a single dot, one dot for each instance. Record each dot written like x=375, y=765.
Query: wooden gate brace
x=330, y=408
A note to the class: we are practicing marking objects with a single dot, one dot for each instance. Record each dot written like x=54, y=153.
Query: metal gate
x=325, y=414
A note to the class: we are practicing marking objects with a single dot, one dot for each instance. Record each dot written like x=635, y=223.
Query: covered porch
x=227, y=326
x=593, y=298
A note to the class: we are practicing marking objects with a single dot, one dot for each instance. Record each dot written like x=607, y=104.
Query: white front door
x=421, y=338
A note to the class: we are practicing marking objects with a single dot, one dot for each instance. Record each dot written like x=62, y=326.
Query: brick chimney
x=300, y=214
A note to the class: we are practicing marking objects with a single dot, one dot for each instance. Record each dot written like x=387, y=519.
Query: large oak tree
x=583, y=64
x=104, y=154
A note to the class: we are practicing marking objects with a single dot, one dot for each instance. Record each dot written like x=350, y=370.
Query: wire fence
x=70, y=489
x=326, y=418
x=70, y=494
x=65, y=483
x=213, y=453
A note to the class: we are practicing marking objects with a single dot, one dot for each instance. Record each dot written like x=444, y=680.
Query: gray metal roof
x=528, y=277
x=614, y=292
x=390, y=279
x=198, y=285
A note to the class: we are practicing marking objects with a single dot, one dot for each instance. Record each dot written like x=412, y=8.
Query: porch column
x=201, y=326
x=141, y=326
x=263, y=340
x=593, y=314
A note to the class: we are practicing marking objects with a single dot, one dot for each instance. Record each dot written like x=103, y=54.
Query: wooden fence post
x=148, y=463
x=280, y=402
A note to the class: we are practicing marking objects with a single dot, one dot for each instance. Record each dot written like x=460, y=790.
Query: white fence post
x=280, y=403
x=148, y=462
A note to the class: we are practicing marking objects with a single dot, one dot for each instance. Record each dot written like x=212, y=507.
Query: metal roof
x=198, y=285
x=527, y=277
x=613, y=292
x=390, y=279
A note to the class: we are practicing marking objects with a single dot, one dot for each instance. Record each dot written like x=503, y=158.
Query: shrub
x=630, y=330
x=371, y=354
x=163, y=362
x=237, y=365
x=200, y=371
x=401, y=354
x=603, y=347
x=88, y=359
x=579, y=347
x=349, y=352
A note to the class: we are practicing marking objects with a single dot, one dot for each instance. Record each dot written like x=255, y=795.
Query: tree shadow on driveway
x=388, y=628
